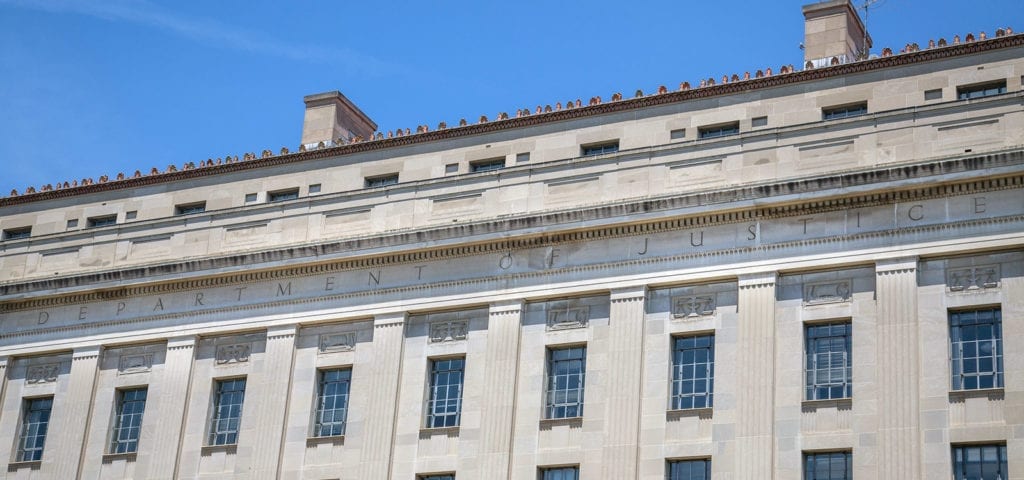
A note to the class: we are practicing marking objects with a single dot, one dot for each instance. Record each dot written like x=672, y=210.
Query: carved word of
x=337, y=342
x=973, y=278
x=572, y=317
x=448, y=331
x=135, y=364
x=237, y=353
x=693, y=306
x=42, y=373
x=827, y=292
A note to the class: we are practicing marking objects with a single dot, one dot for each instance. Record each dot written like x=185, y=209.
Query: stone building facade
x=768, y=276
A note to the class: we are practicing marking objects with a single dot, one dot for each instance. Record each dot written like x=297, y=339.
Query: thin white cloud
x=206, y=31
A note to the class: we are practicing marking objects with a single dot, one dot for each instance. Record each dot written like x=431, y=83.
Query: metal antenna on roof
x=866, y=6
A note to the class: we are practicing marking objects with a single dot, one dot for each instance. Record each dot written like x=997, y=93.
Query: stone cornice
x=744, y=86
x=839, y=183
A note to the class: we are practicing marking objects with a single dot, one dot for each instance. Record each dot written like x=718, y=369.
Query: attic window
x=382, y=180
x=844, y=111
x=17, y=233
x=980, y=90
x=282, y=195
x=190, y=208
x=103, y=221
x=600, y=148
x=722, y=130
x=487, y=165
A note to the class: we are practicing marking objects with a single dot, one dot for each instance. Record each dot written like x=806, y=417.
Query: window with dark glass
x=190, y=208
x=445, y=403
x=980, y=462
x=17, y=233
x=697, y=469
x=693, y=372
x=566, y=371
x=437, y=476
x=828, y=361
x=282, y=195
x=600, y=148
x=828, y=466
x=381, y=181
x=101, y=221
x=227, y=411
x=560, y=473
x=130, y=405
x=976, y=348
x=844, y=111
x=332, y=402
x=715, y=131
x=980, y=90
x=35, y=422
x=487, y=165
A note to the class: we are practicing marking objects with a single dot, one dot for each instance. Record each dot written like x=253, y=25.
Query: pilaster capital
x=896, y=265
x=85, y=353
x=388, y=319
x=628, y=294
x=758, y=279
x=282, y=331
x=184, y=341
x=506, y=307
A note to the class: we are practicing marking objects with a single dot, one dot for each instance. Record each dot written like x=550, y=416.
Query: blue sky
x=94, y=87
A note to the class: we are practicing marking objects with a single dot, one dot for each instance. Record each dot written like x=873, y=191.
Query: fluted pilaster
x=501, y=363
x=163, y=455
x=625, y=375
x=274, y=382
x=68, y=440
x=377, y=446
x=755, y=370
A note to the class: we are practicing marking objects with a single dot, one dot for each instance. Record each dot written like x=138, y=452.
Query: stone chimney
x=833, y=29
x=330, y=116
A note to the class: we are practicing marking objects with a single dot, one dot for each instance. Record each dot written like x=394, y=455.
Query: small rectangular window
x=981, y=90
x=451, y=168
x=282, y=195
x=190, y=208
x=828, y=361
x=101, y=221
x=697, y=469
x=444, y=406
x=828, y=466
x=933, y=94
x=693, y=372
x=332, y=402
x=381, y=181
x=131, y=215
x=250, y=197
x=976, y=344
x=35, y=421
x=487, y=165
x=128, y=412
x=314, y=188
x=560, y=473
x=523, y=157
x=758, y=121
x=227, y=411
x=567, y=369
x=73, y=223
x=600, y=148
x=979, y=462
x=436, y=476
x=17, y=233
x=677, y=134
x=844, y=111
x=715, y=131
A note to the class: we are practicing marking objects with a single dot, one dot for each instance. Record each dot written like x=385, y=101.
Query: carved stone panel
x=693, y=306
x=972, y=278
x=46, y=373
x=139, y=363
x=448, y=331
x=337, y=342
x=570, y=317
x=833, y=291
x=231, y=354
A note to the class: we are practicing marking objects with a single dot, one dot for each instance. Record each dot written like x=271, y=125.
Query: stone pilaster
x=273, y=391
x=68, y=436
x=501, y=363
x=898, y=370
x=377, y=443
x=169, y=396
x=625, y=375
x=755, y=383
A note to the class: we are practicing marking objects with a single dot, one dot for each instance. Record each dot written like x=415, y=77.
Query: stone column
x=377, y=443
x=159, y=459
x=273, y=392
x=73, y=420
x=501, y=363
x=625, y=374
x=898, y=366
x=755, y=382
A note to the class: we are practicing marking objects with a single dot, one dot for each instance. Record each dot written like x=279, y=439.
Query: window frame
x=17, y=233
x=130, y=444
x=812, y=388
x=283, y=195
x=35, y=453
x=981, y=90
x=436, y=476
x=190, y=208
x=447, y=419
x=487, y=165
x=101, y=221
x=809, y=456
x=542, y=472
x=849, y=110
x=599, y=148
x=956, y=354
x=669, y=463
x=718, y=130
x=1002, y=461
x=214, y=433
x=551, y=407
x=677, y=399
x=319, y=410
x=378, y=181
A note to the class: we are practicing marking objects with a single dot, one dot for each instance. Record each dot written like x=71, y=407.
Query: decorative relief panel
x=693, y=306
x=337, y=342
x=448, y=331
x=835, y=291
x=47, y=373
x=140, y=363
x=972, y=278
x=570, y=317
x=230, y=354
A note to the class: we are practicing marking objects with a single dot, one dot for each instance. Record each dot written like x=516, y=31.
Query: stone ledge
x=113, y=457
x=208, y=450
x=571, y=422
x=15, y=466
x=333, y=440
x=704, y=413
x=450, y=432
x=989, y=393
x=838, y=403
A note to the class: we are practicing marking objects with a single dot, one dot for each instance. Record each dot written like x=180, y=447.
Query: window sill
x=113, y=457
x=705, y=412
x=838, y=403
x=572, y=422
x=450, y=432
x=208, y=450
x=15, y=466
x=332, y=439
x=989, y=393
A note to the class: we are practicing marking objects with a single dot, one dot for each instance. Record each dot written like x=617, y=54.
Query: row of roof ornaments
x=785, y=69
